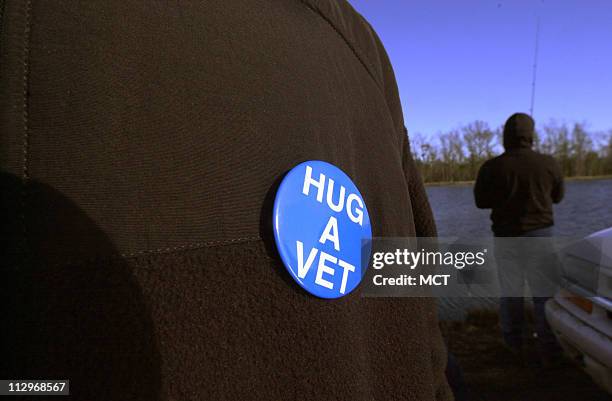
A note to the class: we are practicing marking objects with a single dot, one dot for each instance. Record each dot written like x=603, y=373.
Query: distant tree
x=581, y=146
x=607, y=155
x=458, y=154
x=479, y=143
x=557, y=143
x=453, y=155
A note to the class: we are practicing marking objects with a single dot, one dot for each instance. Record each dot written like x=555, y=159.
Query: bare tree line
x=457, y=155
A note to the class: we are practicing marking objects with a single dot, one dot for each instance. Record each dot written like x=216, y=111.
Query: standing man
x=520, y=186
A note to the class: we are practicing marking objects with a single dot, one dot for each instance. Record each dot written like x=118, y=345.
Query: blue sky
x=465, y=60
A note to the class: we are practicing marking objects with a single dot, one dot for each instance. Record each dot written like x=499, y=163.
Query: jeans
x=530, y=261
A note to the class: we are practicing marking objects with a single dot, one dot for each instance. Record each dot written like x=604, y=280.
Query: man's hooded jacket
x=142, y=144
x=521, y=185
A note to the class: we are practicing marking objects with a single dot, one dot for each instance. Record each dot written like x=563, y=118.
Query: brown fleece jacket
x=141, y=146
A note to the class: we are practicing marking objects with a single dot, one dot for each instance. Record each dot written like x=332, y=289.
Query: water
x=586, y=208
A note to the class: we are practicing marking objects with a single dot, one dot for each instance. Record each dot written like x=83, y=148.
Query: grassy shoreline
x=491, y=372
x=471, y=182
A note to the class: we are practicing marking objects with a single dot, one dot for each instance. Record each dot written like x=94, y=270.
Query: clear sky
x=457, y=61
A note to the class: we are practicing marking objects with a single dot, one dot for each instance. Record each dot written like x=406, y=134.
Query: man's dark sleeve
x=484, y=187
x=558, y=189
x=425, y=226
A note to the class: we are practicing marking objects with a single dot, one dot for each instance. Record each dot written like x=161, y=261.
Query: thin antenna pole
x=535, y=65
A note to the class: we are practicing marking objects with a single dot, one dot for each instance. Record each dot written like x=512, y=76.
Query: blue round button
x=320, y=225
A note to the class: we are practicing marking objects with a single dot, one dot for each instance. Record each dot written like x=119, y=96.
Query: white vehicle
x=580, y=314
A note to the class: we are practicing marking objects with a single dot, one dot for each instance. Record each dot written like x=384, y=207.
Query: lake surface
x=586, y=208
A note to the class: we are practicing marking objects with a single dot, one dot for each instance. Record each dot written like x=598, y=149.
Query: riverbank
x=471, y=182
x=492, y=373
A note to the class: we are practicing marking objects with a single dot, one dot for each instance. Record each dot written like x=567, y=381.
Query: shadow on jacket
x=84, y=322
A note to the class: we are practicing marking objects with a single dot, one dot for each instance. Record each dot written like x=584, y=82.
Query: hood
x=519, y=131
